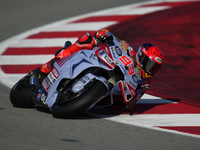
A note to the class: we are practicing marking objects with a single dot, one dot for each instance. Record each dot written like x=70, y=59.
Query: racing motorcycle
x=78, y=82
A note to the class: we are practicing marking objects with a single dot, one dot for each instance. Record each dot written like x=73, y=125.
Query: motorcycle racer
x=148, y=58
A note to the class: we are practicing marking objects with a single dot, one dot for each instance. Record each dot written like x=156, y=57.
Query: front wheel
x=80, y=103
x=20, y=94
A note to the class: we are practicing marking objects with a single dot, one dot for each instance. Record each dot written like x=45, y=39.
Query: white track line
x=149, y=99
x=135, y=123
x=25, y=59
x=159, y=119
x=51, y=42
x=83, y=26
x=131, y=11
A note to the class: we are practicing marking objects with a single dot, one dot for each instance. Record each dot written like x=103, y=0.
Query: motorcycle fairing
x=132, y=75
x=128, y=93
x=104, y=55
x=71, y=67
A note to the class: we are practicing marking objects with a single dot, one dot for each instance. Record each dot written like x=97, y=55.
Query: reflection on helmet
x=150, y=58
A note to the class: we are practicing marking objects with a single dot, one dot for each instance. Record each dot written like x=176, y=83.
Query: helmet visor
x=150, y=66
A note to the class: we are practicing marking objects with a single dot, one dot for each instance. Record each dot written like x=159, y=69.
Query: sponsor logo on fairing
x=135, y=79
x=51, y=77
x=105, y=57
x=43, y=98
x=138, y=68
x=45, y=86
x=55, y=72
x=124, y=46
x=48, y=81
x=108, y=60
x=32, y=80
x=118, y=50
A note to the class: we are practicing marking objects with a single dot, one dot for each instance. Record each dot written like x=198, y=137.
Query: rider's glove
x=101, y=35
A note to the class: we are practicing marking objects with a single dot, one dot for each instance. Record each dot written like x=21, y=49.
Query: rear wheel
x=20, y=95
x=73, y=104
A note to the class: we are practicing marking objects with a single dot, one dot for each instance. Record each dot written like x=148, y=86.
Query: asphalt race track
x=36, y=128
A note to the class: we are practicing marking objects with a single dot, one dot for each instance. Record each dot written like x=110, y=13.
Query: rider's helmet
x=150, y=58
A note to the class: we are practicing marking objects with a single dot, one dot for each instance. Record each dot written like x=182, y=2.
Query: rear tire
x=20, y=94
x=81, y=103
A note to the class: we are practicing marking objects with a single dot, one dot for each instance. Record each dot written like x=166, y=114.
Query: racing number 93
x=127, y=62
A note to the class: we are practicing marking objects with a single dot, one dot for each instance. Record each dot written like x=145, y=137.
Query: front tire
x=81, y=103
x=20, y=94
